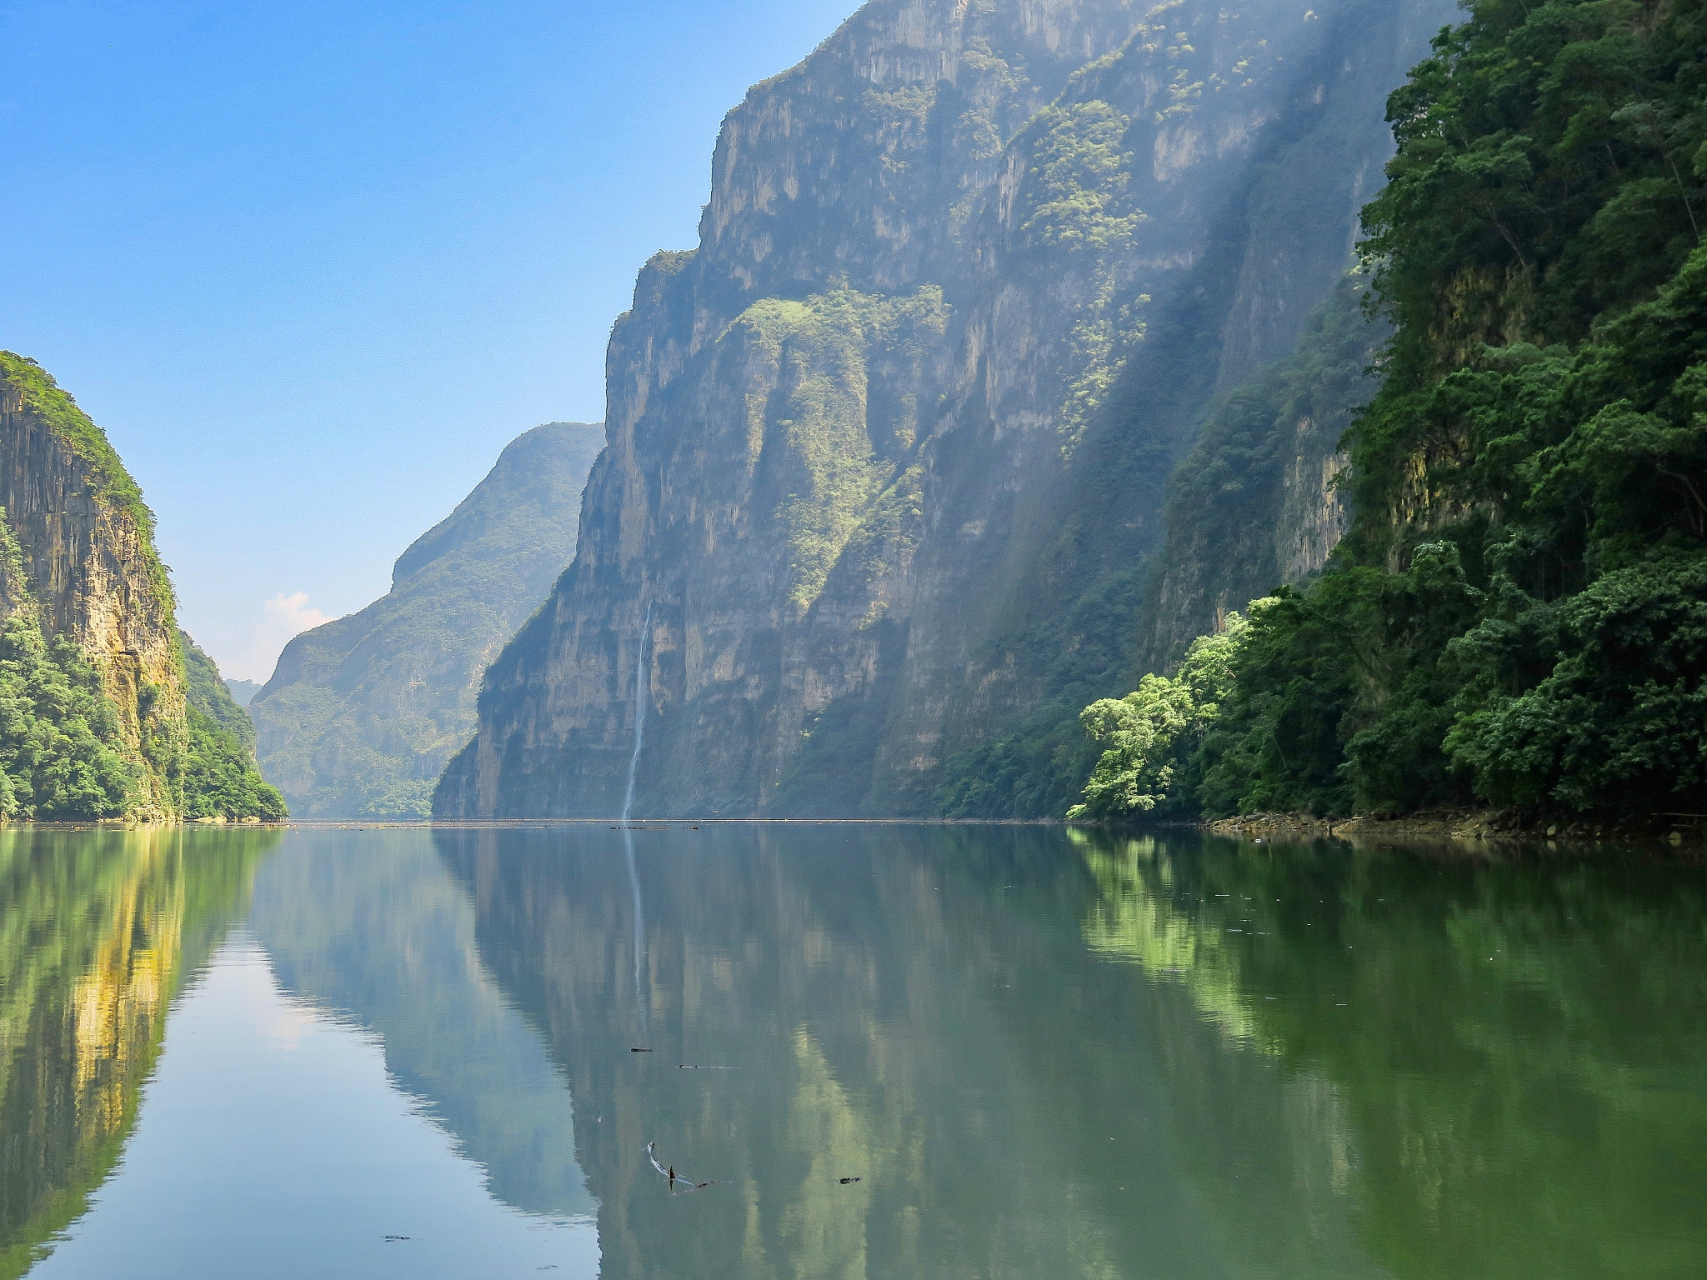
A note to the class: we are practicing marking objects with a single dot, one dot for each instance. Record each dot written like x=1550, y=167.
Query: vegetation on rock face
x=103, y=721
x=809, y=406
x=45, y=399
x=221, y=779
x=1254, y=503
x=1519, y=613
x=60, y=755
x=1079, y=173
x=58, y=731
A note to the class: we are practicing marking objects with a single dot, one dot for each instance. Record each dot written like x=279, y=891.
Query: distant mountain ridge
x=362, y=713
x=243, y=691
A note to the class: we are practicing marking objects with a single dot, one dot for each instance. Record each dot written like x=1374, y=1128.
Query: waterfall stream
x=642, y=671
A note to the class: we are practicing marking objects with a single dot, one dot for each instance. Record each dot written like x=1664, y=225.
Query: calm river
x=922, y=1053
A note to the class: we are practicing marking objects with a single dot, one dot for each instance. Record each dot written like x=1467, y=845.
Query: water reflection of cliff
x=367, y=924
x=1519, y=1048
x=915, y=1008
x=98, y=930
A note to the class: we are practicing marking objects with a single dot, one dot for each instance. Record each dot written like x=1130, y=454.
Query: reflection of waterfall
x=641, y=672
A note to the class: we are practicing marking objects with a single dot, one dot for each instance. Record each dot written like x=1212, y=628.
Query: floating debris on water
x=845, y=1181
x=677, y=1181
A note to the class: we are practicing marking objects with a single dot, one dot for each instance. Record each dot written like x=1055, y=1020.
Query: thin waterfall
x=642, y=672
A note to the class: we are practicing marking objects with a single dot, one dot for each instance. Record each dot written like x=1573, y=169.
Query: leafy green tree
x=1154, y=735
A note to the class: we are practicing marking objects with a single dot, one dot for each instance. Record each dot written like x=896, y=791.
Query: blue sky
x=312, y=264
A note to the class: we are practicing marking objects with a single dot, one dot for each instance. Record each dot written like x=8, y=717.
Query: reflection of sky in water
x=265, y=1115
x=377, y=931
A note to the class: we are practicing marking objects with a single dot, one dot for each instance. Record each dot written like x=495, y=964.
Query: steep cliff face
x=888, y=450
x=89, y=567
x=362, y=713
x=1256, y=503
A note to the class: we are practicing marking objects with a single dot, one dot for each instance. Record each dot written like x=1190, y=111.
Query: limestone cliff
x=888, y=451
x=81, y=562
x=362, y=713
x=1255, y=504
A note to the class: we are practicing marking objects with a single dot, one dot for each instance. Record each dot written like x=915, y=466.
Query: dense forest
x=60, y=755
x=1518, y=614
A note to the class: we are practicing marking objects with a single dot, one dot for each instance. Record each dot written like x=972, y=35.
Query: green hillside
x=361, y=714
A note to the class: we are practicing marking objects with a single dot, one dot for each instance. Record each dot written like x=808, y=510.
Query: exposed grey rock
x=888, y=451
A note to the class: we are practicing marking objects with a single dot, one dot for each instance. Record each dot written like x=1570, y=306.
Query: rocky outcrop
x=362, y=713
x=889, y=450
x=86, y=543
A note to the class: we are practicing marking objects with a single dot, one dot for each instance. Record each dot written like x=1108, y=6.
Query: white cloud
x=282, y=617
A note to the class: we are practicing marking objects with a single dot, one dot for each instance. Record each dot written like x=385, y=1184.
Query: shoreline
x=1467, y=826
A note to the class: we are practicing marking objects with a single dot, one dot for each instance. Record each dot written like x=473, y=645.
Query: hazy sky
x=312, y=264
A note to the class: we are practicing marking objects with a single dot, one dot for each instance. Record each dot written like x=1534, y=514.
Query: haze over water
x=892, y=1051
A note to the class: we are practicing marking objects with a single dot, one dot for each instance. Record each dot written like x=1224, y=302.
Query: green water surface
x=943, y=1052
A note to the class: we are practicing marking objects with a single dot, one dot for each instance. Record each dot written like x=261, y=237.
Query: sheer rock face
x=885, y=450
x=362, y=713
x=90, y=567
x=1255, y=504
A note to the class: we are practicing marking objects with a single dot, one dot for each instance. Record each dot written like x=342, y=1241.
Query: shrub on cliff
x=1154, y=736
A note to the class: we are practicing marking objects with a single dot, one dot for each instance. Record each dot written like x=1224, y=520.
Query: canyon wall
x=1256, y=503
x=86, y=545
x=888, y=453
